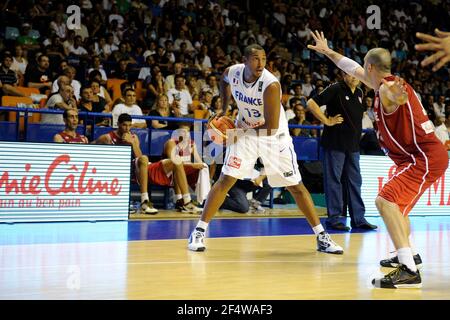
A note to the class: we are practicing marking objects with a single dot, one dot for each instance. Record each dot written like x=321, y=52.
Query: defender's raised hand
x=440, y=44
x=321, y=42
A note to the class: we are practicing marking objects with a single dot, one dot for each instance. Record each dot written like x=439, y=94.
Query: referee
x=340, y=142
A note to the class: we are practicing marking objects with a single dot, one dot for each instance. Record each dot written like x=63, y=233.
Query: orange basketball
x=217, y=129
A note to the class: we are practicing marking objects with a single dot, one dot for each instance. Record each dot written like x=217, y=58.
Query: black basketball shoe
x=393, y=262
x=399, y=278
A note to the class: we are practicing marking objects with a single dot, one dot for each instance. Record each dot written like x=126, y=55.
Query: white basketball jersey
x=250, y=100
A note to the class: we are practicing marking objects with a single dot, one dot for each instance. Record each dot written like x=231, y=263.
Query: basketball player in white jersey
x=263, y=133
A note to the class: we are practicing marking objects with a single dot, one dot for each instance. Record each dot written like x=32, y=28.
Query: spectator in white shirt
x=130, y=107
x=182, y=38
x=76, y=48
x=307, y=87
x=63, y=100
x=439, y=107
x=170, y=79
x=70, y=73
x=115, y=15
x=110, y=46
x=59, y=26
x=179, y=97
x=202, y=60
x=441, y=129
x=97, y=65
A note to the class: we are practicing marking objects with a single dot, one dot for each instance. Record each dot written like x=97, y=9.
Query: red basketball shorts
x=157, y=175
x=411, y=180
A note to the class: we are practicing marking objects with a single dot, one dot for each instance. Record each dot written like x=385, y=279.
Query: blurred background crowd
x=172, y=53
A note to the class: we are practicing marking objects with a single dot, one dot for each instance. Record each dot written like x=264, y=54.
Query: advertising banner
x=63, y=182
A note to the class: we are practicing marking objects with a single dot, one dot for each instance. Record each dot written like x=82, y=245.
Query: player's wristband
x=348, y=65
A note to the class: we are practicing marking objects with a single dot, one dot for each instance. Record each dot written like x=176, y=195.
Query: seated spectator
x=87, y=104
x=124, y=86
x=95, y=75
x=161, y=109
x=101, y=94
x=63, y=100
x=216, y=106
x=183, y=39
x=55, y=50
x=20, y=61
x=97, y=65
x=193, y=86
x=121, y=71
x=181, y=149
x=109, y=47
x=300, y=118
x=70, y=40
x=297, y=93
x=154, y=89
x=179, y=97
x=439, y=107
x=69, y=72
x=8, y=78
x=441, y=129
x=77, y=52
x=59, y=26
x=206, y=99
x=307, y=86
x=169, y=83
x=212, y=85
x=39, y=76
x=202, y=60
x=70, y=135
x=122, y=54
x=139, y=163
x=130, y=107
x=25, y=40
x=145, y=72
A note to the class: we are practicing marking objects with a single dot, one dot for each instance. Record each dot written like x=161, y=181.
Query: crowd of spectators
x=169, y=55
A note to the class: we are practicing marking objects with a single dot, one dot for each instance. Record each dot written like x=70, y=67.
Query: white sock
x=412, y=245
x=178, y=196
x=186, y=198
x=405, y=257
x=144, y=197
x=318, y=229
x=202, y=225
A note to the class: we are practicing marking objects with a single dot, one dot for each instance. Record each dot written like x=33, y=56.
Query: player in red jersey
x=181, y=149
x=139, y=166
x=69, y=135
x=407, y=134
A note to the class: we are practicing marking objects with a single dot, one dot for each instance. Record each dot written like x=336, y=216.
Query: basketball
x=217, y=129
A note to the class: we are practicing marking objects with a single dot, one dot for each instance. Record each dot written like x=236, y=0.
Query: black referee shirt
x=339, y=99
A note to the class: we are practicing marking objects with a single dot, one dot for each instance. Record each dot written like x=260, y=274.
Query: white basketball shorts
x=276, y=153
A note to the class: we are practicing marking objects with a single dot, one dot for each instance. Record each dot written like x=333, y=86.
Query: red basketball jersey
x=407, y=133
x=119, y=141
x=79, y=138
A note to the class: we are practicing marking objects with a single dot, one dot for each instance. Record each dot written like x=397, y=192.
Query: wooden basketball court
x=269, y=257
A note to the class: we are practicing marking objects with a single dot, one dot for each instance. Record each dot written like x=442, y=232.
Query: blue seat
x=158, y=139
x=8, y=131
x=38, y=132
x=306, y=148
